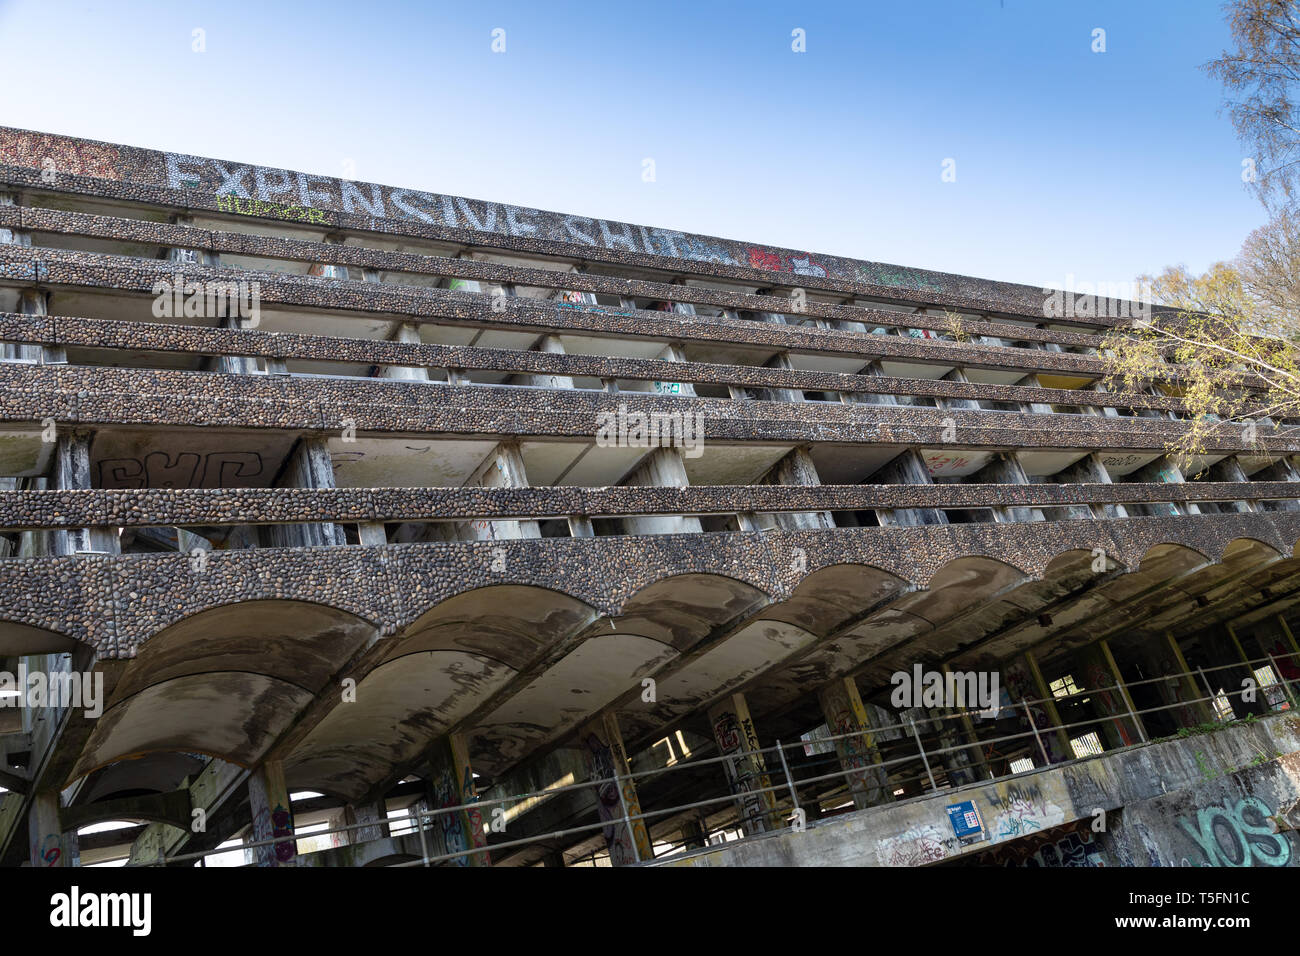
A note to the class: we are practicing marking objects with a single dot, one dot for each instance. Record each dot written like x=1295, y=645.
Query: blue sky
x=1068, y=162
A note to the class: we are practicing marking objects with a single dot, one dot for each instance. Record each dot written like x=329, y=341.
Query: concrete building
x=369, y=526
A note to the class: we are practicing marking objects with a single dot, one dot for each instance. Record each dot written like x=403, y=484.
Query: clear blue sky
x=1068, y=162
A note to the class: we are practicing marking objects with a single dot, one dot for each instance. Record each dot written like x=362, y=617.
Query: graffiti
x=1077, y=849
x=469, y=794
x=158, y=469
x=282, y=826
x=447, y=794
x=917, y=846
x=272, y=210
x=1237, y=835
x=878, y=274
x=69, y=156
x=609, y=806
x=804, y=265
x=727, y=731
x=1022, y=810
x=49, y=852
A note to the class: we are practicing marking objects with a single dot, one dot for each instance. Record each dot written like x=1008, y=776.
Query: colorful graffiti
x=804, y=265
x=1073, y=849
x=1237, y=835
x=59, y=154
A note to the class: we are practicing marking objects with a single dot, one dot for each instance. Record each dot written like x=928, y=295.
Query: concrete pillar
x=407, y=333
x=601, y=743
x=451, y=784
x=694, y=833
x=1089, y=470
x=1118, y=677
x=34, y=302
x=308, y=467
x=550, y=344
x=1005, y=469
x=1191, y=687
x=503, y=468
x=663, y=467
x=1044, y=693
x=369, y=819
x=268, y=801
x=796, y=468
x=733, y=730
x=330, y=270
x=1229, y=469
x=844, y=712
x=72, y=470
x=1166, y=471
x=673, y=353
x=907, y=469
x=51, y=845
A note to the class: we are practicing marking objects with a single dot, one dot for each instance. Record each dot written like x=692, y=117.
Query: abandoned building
x=346, y=525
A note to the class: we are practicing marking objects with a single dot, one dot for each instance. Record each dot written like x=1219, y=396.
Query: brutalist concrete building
x=345, y=524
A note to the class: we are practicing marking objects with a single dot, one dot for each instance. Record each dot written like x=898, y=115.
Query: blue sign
x=966, y=821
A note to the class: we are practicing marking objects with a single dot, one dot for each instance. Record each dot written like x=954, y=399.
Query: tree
x=1260, y=78
x=1227, y=342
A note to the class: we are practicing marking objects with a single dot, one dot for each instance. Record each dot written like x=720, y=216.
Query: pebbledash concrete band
x=365, y=516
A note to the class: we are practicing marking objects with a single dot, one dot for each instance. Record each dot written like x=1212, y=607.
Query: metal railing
x=784, y=792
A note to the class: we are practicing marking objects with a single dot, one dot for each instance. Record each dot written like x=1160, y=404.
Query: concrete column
x=552, y=345
x=1118, y=677
x=796, y=468
x=845, y=714
x=1049, y=704
x=451, y=783
x=663, y=467
x=34, y=302
x=1166, y=471
x=51, y=845
x=907, y=469
x=370, y=820
x=409, y=334
x=308, y=467
x=673, y=353
x=601, y=743
x=1005, y=469
x=694, y=833
x=72, y=470
x=13, y=237
x=503, y=468
x=1191, y=687
x=1229, y=469
x=1089, y=470
x=733, y=730
x=268, y=801
x=330, y=270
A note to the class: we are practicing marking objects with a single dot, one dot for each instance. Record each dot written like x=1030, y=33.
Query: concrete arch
x=224, y=682
x=18, y=639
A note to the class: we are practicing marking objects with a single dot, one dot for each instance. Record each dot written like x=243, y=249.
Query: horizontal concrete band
x=120, y=396
x=189, y=183
x=299, y=250
x=20, y=266
x=116, y=602
x=166, y=507
x=163, y=337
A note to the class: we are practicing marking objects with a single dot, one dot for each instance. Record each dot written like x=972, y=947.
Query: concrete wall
x=1161, y=803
